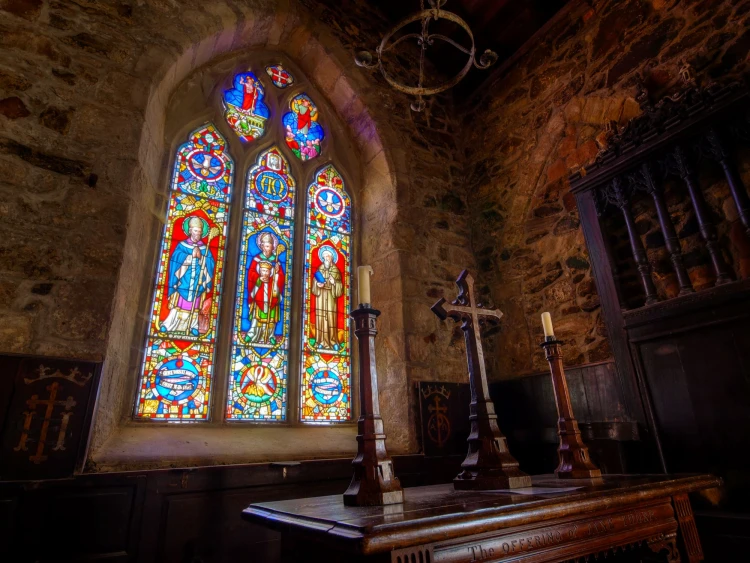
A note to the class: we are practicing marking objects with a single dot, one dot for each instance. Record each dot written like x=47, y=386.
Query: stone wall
x=84, y=87
x=539, y=120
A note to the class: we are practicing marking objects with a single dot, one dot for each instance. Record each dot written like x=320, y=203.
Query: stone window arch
x=210, y=355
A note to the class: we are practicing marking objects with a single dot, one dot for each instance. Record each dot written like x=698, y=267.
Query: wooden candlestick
x=575, y=462
x=374, y=482
x=489, y=463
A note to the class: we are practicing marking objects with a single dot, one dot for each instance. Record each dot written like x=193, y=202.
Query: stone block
x=13, y=108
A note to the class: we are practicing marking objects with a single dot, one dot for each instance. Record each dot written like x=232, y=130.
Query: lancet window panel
x=178, y=366
x=326, y=349
x=260, y=357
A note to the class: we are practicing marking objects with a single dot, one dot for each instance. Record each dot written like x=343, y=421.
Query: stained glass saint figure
x=245, y=110
x=191, y=271
x=302, y=130
x=264, y=291
x=328, y=287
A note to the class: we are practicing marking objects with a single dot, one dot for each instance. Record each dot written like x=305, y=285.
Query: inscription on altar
x=638, y=517
x=513, y=545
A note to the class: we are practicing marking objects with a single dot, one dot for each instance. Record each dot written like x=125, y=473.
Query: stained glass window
x=325, y=392
x=280, y=77
x=178, y=365
x=244, y=108
x=301, y=128
x=184, y=335
x=258, y=379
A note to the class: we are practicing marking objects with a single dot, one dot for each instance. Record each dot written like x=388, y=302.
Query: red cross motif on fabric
x=279, y=76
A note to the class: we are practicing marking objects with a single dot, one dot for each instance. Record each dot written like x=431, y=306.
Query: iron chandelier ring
x=364, y=58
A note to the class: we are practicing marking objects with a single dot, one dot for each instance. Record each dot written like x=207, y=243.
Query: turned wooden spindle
x=374, y=482
x=671, y=240
x=618, y=197
x=705, y=225
x=575, y=462
x=736, y=186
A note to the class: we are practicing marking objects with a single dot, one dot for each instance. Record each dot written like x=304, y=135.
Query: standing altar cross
x=489, y=464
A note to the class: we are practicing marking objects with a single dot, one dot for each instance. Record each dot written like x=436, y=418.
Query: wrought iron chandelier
x=425, y=39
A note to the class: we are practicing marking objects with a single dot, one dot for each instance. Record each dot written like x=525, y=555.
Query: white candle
x=547, y=325
x=363, y=283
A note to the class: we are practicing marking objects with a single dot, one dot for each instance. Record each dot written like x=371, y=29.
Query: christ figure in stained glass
x=191, y=270
x=246, y=112
x=327, y=288
x=265, y=287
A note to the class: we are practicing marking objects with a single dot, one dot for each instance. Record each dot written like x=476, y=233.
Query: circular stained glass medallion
x=326, y=386
x=271, y=186
x=329, y=202
x=258, y=383
x=205, y=166
x=177, y=380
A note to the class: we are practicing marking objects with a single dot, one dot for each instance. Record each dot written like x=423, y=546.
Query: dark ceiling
x=501, y=25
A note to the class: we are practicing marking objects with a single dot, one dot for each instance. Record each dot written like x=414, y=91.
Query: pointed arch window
x=284, y=340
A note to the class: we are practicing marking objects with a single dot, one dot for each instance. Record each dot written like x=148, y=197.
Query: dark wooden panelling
x=187, y=515
x=8, y=509
x=528, y=416
x=695, y=366
x=444, y=417
x=93, y=518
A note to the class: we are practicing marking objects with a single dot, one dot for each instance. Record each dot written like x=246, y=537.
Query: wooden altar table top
x=616, y=511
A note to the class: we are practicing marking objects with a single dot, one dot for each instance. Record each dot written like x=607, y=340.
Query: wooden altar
x=439, y=524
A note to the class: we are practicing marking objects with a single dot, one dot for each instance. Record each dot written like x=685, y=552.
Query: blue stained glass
x=280, y=77
x=304, y=134
x=270, y=189
x=330, y=206
x=202, y=168
x=245, y=110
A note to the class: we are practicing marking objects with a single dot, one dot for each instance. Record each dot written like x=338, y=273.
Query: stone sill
x=140, y=447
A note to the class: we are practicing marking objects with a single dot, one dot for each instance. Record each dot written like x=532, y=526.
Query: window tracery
x=179, y=376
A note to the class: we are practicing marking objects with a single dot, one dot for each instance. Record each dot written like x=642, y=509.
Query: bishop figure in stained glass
x=191, y=271
x=264, y=291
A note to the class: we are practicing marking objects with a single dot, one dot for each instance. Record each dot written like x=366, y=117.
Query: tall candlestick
x=374, y=482
x=547, y=325
x=573, y=454
x=363, y=283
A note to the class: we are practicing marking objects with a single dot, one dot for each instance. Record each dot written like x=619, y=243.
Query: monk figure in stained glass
x=327, y=287
x=191, y=271
x=265, y=287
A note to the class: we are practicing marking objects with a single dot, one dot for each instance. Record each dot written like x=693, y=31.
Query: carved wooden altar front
x=439, y=524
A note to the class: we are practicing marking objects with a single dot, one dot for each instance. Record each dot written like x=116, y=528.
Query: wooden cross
x=489, y=464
